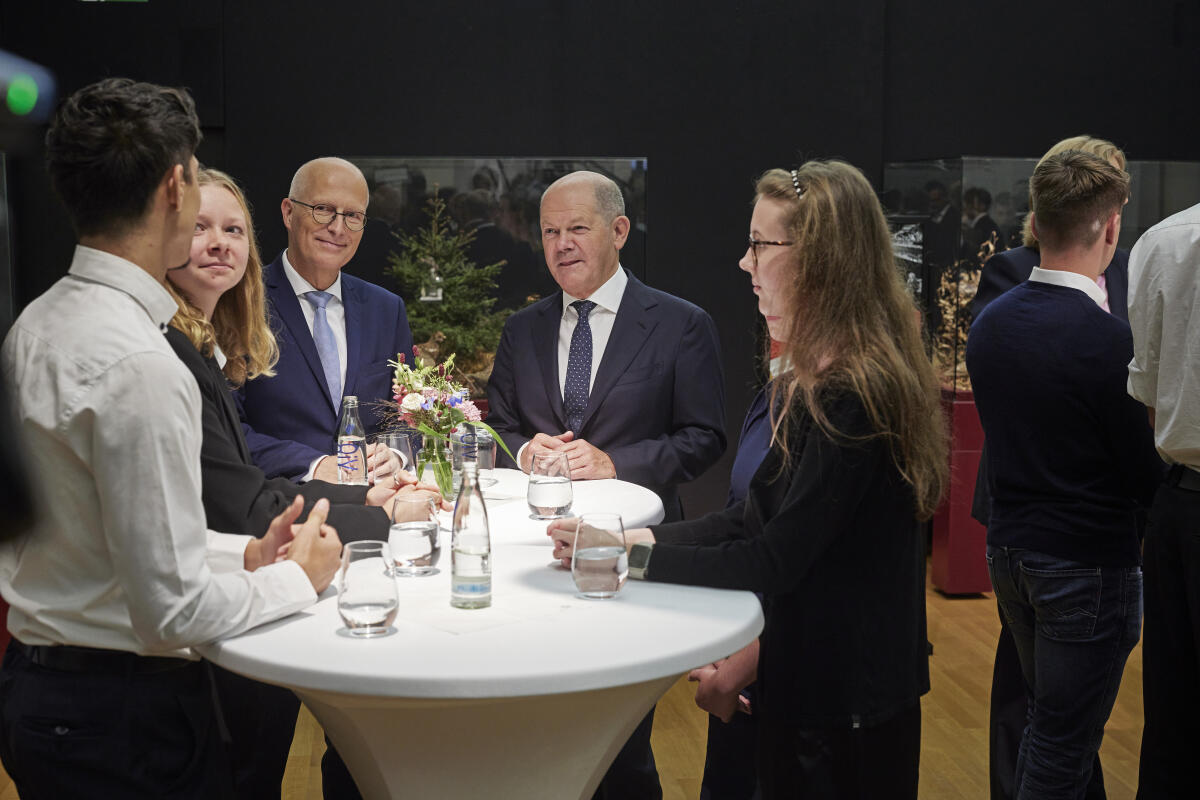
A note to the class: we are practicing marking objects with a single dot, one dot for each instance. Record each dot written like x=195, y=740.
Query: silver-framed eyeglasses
x=757, y=243
x=323, y=214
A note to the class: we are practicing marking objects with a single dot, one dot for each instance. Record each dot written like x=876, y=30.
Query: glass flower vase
x=433, y=464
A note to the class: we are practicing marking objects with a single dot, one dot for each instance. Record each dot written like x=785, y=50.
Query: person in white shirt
x=1164, y=375
x=101, y=694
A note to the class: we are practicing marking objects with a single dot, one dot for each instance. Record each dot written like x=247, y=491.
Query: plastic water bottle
x=471, y=545
x=351, y=445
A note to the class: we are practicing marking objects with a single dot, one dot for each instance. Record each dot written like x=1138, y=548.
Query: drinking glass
x=599, y=563
x=413, y=537
x=485, y=454
x=367, y=598
x=463, y=447
x=399, y=442
x=549, y=495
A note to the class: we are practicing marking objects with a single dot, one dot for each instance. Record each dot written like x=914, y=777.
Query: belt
x=1184, y=478
x=66, y=658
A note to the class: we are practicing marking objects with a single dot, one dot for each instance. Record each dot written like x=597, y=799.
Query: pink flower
x=470, y=411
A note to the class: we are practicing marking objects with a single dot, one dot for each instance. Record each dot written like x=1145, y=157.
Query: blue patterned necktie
x=579, y=368
x=326, y=345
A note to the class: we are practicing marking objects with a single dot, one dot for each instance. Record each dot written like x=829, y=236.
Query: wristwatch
x=639, y=560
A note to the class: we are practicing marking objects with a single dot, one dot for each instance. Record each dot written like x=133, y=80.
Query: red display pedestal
x=959, y=542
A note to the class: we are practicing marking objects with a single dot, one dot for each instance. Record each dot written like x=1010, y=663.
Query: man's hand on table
x=382, y=463
x=562, y=537
x=585, y=460
x=541, y=444
x=314, y=544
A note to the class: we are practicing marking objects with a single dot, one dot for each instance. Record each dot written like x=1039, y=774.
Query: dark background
x=711, y=93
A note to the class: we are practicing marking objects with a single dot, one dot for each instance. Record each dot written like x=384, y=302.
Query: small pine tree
x=464, y=315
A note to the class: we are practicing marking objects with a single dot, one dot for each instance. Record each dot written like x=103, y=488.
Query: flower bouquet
x=429, y=401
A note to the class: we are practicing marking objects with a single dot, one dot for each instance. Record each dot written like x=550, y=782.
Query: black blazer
x=1002, y=272
x=238, y=497
x=657, y=405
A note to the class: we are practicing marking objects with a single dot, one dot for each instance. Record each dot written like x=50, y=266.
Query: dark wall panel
x=1010, y=79
x=711, y=93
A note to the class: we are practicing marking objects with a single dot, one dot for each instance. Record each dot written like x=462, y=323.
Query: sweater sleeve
x=826, y=489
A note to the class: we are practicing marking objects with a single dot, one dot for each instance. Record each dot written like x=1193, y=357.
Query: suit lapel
x=631, y=330
x=352, y=304
x=286, y=307
x=545, y=348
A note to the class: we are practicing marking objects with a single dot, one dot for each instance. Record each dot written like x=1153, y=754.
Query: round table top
x=538, y=637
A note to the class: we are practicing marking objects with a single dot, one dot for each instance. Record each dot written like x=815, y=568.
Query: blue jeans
x=1074, y=626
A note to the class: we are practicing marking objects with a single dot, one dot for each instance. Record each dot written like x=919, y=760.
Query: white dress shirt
x=1071, y=280
x=1164, y=314
x=601, y=319
x=120, y=557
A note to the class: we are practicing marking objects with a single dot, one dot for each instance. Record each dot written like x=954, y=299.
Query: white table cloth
x=530, y=698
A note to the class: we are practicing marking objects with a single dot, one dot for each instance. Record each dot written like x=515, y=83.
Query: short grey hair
x=610, y=203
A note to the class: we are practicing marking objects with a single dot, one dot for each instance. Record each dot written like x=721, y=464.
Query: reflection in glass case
x=971, y=207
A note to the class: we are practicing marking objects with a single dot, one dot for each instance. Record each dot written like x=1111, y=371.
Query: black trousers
x=729, y=771
x=1171, y=644
x=261, y=719
x=633, y=774
x=1007, y=720
x=110, y=733
x=877, y=762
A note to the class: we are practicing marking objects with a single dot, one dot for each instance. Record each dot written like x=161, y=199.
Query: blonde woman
x=220, y=333
x=827, y=532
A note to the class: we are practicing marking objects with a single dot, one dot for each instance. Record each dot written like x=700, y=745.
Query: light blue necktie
x=326, y=345
x=579, y=368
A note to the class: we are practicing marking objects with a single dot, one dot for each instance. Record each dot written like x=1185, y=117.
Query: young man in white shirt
x=100, y=693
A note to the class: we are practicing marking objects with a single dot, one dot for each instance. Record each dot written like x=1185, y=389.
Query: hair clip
x=796, y=183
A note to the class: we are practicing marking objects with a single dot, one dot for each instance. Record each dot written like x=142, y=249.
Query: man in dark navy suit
x=335, y=332
x=624, y=379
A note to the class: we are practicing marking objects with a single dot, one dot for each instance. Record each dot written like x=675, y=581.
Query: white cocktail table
x=531, y=698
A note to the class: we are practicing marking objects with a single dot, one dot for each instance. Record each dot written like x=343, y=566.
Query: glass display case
x=459, y=239
x=970, y=207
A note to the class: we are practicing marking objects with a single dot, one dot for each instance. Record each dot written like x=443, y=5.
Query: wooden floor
x=954, y=734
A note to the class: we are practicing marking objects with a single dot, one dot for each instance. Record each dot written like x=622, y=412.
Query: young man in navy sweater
x=1072, y=466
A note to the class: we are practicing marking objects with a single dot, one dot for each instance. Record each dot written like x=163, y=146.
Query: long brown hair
x=851, y=324
x=1087, y=144
x=239, y=322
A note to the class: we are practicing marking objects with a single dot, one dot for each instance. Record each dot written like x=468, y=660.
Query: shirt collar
x=302, y=287
x=1071, y=280
x=608, y=296
x=123, y=275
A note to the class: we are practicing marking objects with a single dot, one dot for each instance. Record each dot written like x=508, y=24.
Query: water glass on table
x=367, y=599
x=413, y=536
x=599, y=563
x=549, y=494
